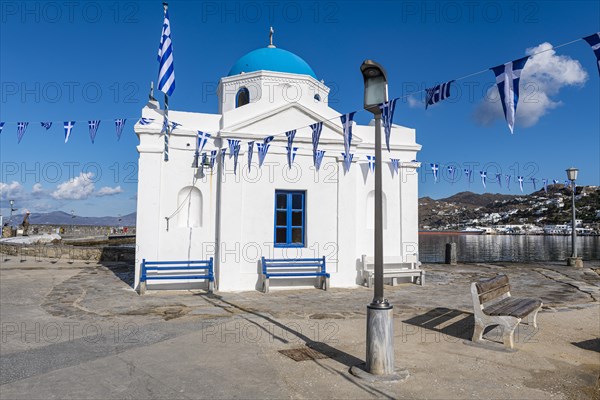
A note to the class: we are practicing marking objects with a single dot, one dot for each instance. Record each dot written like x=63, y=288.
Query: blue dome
x=272, y=59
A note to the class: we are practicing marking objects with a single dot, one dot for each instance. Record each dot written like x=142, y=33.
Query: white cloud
x=11, y=191
x=543, y=77
x=108, y=191
x=37, y=188
x=78, y=188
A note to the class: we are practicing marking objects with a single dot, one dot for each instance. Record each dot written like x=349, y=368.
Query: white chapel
x=237, y=216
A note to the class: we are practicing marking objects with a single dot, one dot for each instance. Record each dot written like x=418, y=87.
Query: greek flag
x=533, y=180
x=166, y=73
x=507, y=80
x=68, y=128
x=567, y=183
x=555, y=181
x=545, y=183
x=347, y=130
x=347, y=161
x=318, y=158
x=93, y=129
x=21, y=128
x=1, y=126
x=236, y=153
x=520, y=179
x=483, y=175
x=468, y=174
x=263, y=148
x=594, y=41
x=435, y=168
x=46, y=125
x=232, y=143
x=223, y=152
x=250, y=151
x=387, y=115
x=371, y=160
x=174, y=125
x=395, y=165
x=291, y=151
x=145, y=121
x=451, y=171
x=119, y=125
x=290, y=140
x=507, y=179
x=213, y=157
x=437, y=93
x=316, y=135
x=201, y=140
x=499, y=177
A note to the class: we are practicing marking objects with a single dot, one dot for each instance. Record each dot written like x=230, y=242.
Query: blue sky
x=94, y=60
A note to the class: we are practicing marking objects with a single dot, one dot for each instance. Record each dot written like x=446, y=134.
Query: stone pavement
x=77, y=330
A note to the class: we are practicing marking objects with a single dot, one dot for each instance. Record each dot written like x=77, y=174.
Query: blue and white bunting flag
x=316, y=135
x=437, y=93
x=213, y=157
x=46, y=125
x=166, y=72
x=594, y=42
x=263, y=148
x=174, y=125
x=94, y=124
x=520, y=179
x=201, y=140
x=232, y=144
x=533, y=180
x=291, y=152
x=68, y=128
x=347, y=120
x=567, y=183
x=290, y=141
x=507, y=80
x=21, y=128
x=499, y=178
x=236, y=153
x=119, y=125
x=250, y=151
x=347, y=161
x=371, y=160
x=468, y=173
x=555, y=181
x=395, y=165
x=319, y=159
x=483, y=175
x=145, y=121
x=223, y=152
x=1, y=126
x=435, y=168
x=387, y=115
x=545, y=183
x=451, y=173
x=507, y=179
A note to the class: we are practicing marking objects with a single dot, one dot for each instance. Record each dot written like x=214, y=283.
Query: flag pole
x=167, y=127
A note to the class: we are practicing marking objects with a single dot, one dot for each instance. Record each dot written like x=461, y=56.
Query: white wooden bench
x=394, y=267
x=493, y=305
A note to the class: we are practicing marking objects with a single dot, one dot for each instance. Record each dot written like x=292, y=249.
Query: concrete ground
x=78, y=331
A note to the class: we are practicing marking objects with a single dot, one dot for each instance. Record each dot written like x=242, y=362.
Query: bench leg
x=326, y=283
x=266, y=285
x=533, y=317
x=211, y=286
x=395, y=281
x=422, y=278
x=478, y=332
x=142, y=288
x=509, y=325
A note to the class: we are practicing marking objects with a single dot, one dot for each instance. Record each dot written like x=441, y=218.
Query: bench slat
x=494, y=293
x=178, y=277
x=485, y=285
x=297, y=274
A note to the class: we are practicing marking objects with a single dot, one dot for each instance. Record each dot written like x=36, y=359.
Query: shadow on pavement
x=447, y=321
x=592, y=344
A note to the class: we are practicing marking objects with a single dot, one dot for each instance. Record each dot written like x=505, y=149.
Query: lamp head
x=376, y=88
x=572, y=174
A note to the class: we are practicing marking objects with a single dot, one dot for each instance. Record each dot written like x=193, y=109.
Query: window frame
x=241, y=90
x=289, y=209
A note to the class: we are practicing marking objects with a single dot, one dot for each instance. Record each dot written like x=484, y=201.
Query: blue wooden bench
x=177, y=270
x=298, y=268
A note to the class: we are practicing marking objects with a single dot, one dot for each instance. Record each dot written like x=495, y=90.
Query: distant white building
x=187, y=213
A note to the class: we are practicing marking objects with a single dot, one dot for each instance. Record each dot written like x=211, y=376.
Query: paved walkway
x=78, y=330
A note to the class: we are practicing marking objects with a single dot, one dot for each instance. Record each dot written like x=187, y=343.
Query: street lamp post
x=573, y=261
x=380, y=325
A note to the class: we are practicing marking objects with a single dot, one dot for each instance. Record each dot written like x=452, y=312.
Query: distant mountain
x=63, y=218
x=477, y=200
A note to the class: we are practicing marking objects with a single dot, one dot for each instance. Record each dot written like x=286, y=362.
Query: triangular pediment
x=277, y=120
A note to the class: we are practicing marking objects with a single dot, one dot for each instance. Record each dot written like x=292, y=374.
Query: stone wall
x=66, y=252
x=81, y=230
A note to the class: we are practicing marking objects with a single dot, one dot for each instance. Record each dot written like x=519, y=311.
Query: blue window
x=290, y=216
x=242, y=98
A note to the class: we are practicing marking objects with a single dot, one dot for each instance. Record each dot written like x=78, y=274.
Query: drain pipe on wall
x=217, y=260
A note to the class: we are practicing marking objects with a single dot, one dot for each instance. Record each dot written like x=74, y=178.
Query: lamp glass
x=375, y=91
x=572, y=174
